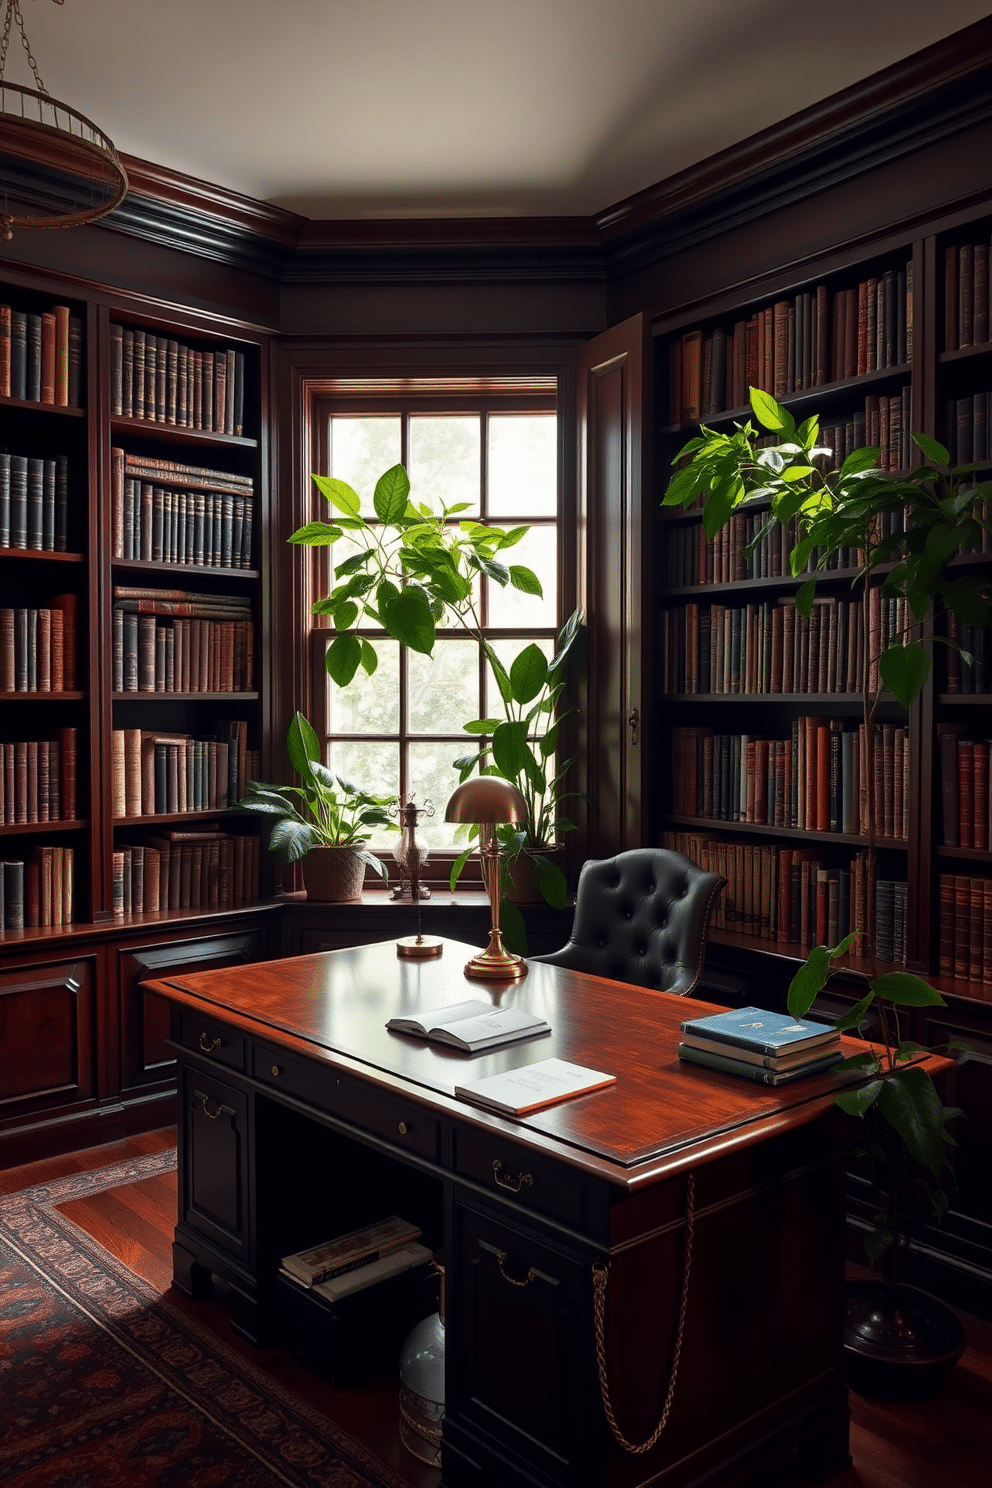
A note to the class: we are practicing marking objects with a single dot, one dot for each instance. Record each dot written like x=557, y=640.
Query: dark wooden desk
x=301, y=1117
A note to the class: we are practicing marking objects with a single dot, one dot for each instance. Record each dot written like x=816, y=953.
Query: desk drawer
x=200, y=1033
x=401, y=1122
x=514, y=1173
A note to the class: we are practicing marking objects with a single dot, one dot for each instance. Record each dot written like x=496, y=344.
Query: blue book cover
x=759, y=1029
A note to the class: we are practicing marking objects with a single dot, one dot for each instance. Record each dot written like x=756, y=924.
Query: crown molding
x=918, y=101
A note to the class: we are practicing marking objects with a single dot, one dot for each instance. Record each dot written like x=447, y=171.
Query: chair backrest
x=641, y=917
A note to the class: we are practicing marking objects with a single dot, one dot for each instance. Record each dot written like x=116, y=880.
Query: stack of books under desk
x=755, y=1044
x=345, y=1305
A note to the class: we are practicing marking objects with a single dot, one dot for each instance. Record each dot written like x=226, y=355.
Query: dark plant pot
x=333, y=875
x=899, y=1343
x=522, y=888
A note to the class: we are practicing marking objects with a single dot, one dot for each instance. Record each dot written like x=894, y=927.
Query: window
x=401, y=730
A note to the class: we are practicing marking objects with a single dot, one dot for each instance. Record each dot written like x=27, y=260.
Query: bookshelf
x=132, y=685
x=764, y=714
x=762, y=771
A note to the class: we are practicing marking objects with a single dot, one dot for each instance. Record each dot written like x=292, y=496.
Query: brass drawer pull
x=208, y=1044
x=213, y=1115
x=277, y=1069
x=513, y=1184
x=532, y=1275
x=403, y=1128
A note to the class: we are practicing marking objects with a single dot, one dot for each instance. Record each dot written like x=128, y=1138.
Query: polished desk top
x=333, y=1007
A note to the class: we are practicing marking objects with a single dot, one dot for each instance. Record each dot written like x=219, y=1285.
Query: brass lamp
x=485, y=801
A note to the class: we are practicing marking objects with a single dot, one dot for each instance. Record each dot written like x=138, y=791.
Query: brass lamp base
x=419, y=947
x=496, y=963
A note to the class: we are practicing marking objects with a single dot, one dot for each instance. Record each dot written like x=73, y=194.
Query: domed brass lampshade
x=485, y=801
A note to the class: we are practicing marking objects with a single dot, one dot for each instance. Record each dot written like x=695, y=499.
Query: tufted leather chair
x=641, y=917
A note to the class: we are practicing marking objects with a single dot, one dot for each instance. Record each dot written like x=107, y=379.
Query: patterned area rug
x=105, y=1384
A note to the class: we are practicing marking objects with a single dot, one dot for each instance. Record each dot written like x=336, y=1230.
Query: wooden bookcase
x=89, y=1051
x=933, y=381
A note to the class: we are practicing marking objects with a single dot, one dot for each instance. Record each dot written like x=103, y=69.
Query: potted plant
x=905, y=1120
x=324, y=823
x=410, y=571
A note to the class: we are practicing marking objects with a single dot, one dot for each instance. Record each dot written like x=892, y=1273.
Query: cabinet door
x=215, y=1178
x=47, y=1047
x=612, y=374
x=520, y=1348
x=146, y=1058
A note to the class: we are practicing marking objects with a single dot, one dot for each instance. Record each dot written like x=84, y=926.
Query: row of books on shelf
x=38, y=646
x=34, y=503
x=41, y=356
x=750, y=547
x=757, y=1044
x=36, y=891
x=886, y=424
x=794, y=895
x=965, y=929
x=208, y=646
x=169, y=382
x=817, y=337
x=817, y=780
x=208, y=869
x=771, y=647
x=965, y=787
x=966, y=659
x=38, y=779
x=155, y=773
x=969, y=437
x=966, y=295
x=359, y=1259
x=163, y=511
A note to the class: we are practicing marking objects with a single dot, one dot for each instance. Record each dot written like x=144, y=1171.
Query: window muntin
x=401, y=730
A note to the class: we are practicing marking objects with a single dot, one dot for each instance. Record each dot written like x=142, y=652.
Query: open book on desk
x=519, y=1092
x=471, y=1026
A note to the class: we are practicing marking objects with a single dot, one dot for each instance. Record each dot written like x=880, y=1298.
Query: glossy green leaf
x=481, y=726
x=339, y=494
x=370, y=659
x=933, y=449
x=457, y=866
x=343, y=658
x=315, y=535
x=912, y=1107
x=392, y=492
x=808, y=982
x=904, y=670
x=770, y=415
x=302, y=746
x=528, y=674
x=510, y=749
x=525, y=580
x=550, y=881
x=857, y=1102
x=410, y=620
x=854, y=1018
x=907, y=990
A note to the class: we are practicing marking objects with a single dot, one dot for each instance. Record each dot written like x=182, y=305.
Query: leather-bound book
x=966, y=294
x=68, y=606
x=47, y=358
x=951, y=299
x=981, y=295
x=75, y=361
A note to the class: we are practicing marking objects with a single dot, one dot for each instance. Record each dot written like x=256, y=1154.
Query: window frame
x=408, y=398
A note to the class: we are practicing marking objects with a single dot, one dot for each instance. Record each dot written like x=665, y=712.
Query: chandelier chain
x=14, y=13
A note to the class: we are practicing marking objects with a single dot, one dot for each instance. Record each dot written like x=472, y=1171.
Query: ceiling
x=447, y=108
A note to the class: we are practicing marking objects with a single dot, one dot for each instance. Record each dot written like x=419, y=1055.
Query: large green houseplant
x=415, y=568
x=324, y=823
x=779, y=465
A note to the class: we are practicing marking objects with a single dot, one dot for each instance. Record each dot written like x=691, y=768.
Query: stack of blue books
x=771, y=1048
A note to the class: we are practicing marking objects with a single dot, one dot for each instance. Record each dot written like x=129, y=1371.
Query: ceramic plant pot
x=899, y=1343
x=333, y=874
x=523, y=887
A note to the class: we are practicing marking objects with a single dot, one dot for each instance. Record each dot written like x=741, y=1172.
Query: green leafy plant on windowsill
x=414, y=569
x=325, y=811
x=942, y=513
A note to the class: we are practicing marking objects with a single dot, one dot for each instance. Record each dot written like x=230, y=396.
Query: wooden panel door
x=613, y=400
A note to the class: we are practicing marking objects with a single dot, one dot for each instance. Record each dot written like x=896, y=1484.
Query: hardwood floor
x=940, y=1443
